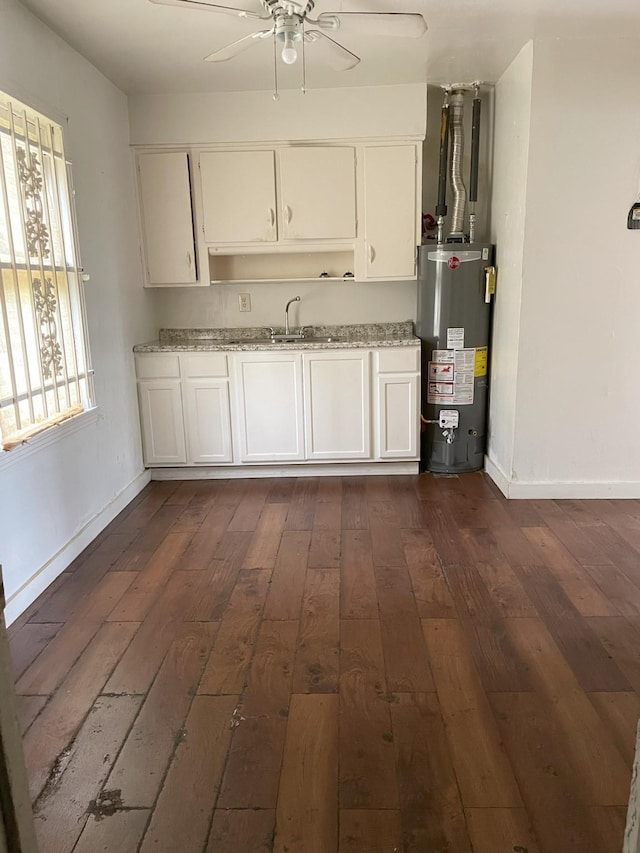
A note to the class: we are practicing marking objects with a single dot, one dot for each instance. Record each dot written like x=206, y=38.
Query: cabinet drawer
x=155, y=366
x=400, y=360
x=201, y=365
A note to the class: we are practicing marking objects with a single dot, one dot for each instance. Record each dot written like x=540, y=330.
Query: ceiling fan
x=288, y=22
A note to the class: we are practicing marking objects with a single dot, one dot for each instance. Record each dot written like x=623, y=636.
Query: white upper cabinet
x=166, y=218
x=390, y=212
x=238, y=196
x=318, y=193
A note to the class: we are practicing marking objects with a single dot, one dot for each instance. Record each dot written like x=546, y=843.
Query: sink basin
x=319, y=339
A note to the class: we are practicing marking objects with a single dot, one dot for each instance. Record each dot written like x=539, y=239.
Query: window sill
x=47, y=437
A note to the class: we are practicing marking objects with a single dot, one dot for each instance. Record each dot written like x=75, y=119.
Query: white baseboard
x=541, y=490
x=40, y=580
x=240, y=472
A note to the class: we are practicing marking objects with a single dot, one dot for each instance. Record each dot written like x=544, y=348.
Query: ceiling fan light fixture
x=289, y=53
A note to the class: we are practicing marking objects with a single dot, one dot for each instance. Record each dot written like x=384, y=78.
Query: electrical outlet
x=244, y=301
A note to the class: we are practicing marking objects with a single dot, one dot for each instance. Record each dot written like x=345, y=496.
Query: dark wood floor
x=337, y=664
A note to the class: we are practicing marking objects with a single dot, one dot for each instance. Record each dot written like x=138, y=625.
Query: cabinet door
x=390, y=211
x=207, y=420
x=238, y=196
x=337, y=407
x=269, y=406
x=166, y=217
x=397, y=416
x=317, y=193
x=162, y=422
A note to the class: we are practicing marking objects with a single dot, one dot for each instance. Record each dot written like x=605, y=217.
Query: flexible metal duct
x=456, y=116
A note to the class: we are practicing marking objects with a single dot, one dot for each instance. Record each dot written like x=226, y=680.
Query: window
x=45, y=375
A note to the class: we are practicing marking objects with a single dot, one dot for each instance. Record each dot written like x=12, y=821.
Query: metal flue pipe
x=475, y=158
x=456, y=112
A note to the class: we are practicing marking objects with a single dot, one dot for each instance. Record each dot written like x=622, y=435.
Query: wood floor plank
x=183, y=812
x=203, y=546
x=377, y=489
x=583, y=593
x=61, y=718
x=250, y=508
x=484, y=774
x=138, y=554
x=27, y=643
x=119, y=832
x=386, y=545
x=370, y=830
x=153, y=497
x=446, y=536
x=146, y=753
x=498, y=663
x=623, y=595
x=407, y=502
x=355, y=510
x=230, y=658
x=621, y=640
x=307, y=816
x=367, y=765
x=249, y=830
x=432, y=815
x=215, y=585
x=140, y=663
x=317, y=656
x=287, y=581
x=431, y=592
x=330, y=490
x=70, y=596
x=148, y=584
x=503, y=585
x=54, y=662
x=302, y=506
x=254, y=761
x=281, y=490
x=326, y=537
x=560, y=818
x=358, y=598
x=28, y=708
x=599, y=765
x=592, y=666
x=620, y=713
x=501, y=830
x=265, y=541
x=405, y=654
x=61, y=811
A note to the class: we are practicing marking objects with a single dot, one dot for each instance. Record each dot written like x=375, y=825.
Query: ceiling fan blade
x=334, y=54
x=404, y=24
x=213, y=7
x=237, y=47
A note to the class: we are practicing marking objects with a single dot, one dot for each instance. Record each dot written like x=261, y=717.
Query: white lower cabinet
x=269, y=406
x=397, y=417
x=162, y=423
x=207, y=421
x=279, y=406
x=336, y=404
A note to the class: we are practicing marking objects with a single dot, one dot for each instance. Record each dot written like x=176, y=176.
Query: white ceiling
x=146, y=48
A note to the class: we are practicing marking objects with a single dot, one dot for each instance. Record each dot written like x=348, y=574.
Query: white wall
x=370, y=111
x=72, y=485
x=321, y=303
x=578, y=406
x=511, y=156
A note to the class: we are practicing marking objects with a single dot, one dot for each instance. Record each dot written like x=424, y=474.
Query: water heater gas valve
x=449, y=419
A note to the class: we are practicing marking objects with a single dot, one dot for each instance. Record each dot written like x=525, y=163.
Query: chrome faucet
x=286, y=314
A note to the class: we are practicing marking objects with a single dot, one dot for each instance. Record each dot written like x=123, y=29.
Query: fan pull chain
x=304, y=63
x=276, y=94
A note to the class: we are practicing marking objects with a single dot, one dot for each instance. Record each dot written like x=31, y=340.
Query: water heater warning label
x=481, y=361
x=451, y=376
x=455, y=339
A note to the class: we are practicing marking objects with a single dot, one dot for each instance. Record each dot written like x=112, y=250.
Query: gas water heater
x=456, y=283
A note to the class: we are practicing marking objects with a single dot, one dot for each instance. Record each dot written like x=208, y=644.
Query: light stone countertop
x=365, y=335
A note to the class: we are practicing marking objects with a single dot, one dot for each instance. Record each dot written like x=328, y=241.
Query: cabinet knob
x=272, y=216
x=372, y=254
x=287, y=214
x=189, y=259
